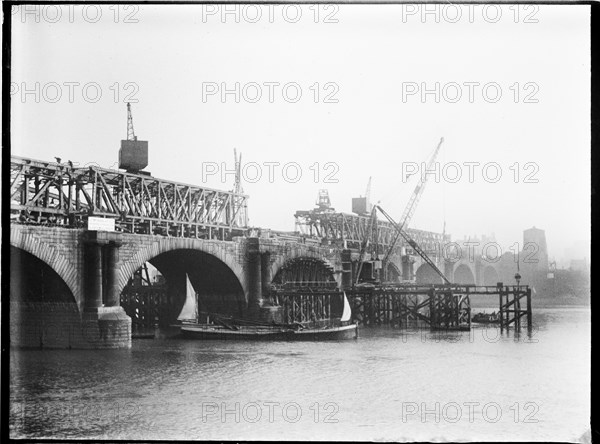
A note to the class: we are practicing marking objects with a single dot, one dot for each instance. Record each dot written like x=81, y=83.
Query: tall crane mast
x=239, y=207
x=409, y=211
x=130, y=132
x=237, y=186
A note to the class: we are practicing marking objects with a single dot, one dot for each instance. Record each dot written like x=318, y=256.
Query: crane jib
x=413, y=244
x=409, y=211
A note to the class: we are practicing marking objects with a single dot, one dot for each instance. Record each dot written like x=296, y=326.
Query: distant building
x=579, y=265
x=535, y=251
x=477, y=244
x=579, y=250
x=534, y=263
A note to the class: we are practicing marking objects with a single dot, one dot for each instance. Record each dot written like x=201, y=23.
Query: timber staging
x=441, y=307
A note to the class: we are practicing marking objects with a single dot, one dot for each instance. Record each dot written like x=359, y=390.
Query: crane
x=323, y=202
x=409, y=211
x=237, y=186
x=133, y=155
x=240, y=209
x=363, y=248
x=371, y=230
x=130, y=133
x=413, y=244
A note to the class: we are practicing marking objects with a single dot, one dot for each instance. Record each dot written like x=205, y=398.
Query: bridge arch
x=393, y=273
x=490, y=275
x=219, y=289
x=34, y=280
x=212, y=266
x=292, y=254
x=463, y=275
x=129, y=265
x=304, y=269
x=50, y=256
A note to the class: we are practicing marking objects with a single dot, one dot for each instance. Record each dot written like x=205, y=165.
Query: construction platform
x=446, y=307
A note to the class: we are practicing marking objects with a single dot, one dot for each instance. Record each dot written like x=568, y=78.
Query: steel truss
x=349, y=230
x=59, y=194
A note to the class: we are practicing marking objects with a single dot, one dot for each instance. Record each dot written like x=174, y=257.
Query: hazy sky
x=367, y=63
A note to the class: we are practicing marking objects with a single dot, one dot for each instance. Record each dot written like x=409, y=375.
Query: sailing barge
x=225, y=327
x=269, y=332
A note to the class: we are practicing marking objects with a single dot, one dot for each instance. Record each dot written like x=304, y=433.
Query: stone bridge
x=66, y=283
x=70, y=280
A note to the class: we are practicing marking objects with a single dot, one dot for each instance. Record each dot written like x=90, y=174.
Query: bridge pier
x=255, y=278
x=92, y=275
x=266, y=275
x=111, y=255
x=259, y=282
x=408, y=270
x=104, y=325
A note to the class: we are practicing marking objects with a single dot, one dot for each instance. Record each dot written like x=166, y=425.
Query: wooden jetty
x=441, y=307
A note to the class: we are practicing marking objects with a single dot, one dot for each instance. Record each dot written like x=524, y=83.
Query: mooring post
x=371, y=310
x=529, y=320
x=455, y=301
x=468, y=301
x=469, y=311
x=402, y=302
x=501, y=312
x=518, y=295
x=432, y=308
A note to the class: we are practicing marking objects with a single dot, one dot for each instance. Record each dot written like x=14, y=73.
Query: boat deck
x=208, y=331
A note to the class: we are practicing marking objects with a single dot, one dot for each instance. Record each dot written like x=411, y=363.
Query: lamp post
x=518, y=279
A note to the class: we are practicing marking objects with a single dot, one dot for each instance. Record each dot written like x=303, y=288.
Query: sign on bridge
x=100, y=224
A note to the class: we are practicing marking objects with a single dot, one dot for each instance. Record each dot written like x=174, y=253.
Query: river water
x=387, y=385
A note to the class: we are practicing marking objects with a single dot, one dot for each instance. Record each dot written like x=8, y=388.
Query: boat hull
x=208, y=332
x=452, y=328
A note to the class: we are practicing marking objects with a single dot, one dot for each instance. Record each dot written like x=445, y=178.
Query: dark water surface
x=388, y=385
